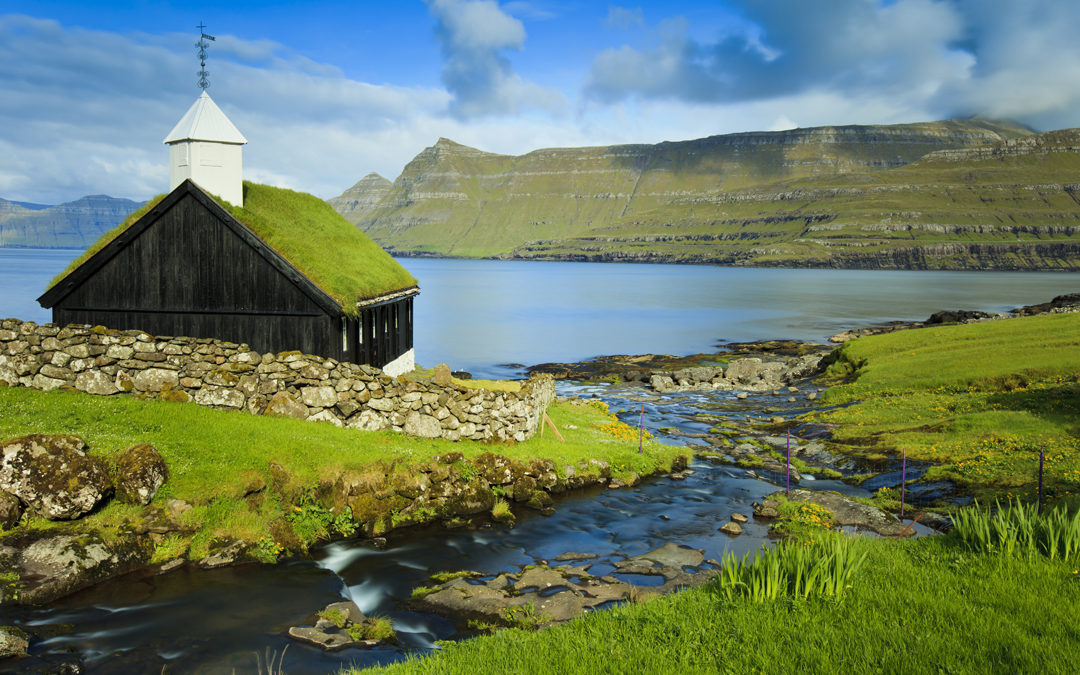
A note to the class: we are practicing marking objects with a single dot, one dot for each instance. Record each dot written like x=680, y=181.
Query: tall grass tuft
x=1016, y=529
x=791, y=569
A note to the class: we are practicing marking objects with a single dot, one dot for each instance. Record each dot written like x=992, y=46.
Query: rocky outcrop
x=1070, y=302
x=845, y=511
x=140, y=471
x=55, y=566
x=541, y=595
x=449, y=486
x=955, y=316
x=341, y=625
x=230, y=376
x=53, y=475
x=746, y=374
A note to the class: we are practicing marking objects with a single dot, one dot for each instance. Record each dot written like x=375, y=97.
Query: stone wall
x=218, y=374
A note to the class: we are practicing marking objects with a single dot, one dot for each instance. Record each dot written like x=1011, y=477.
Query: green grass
x=978, y=400
x=913, y=606
x=340, y=259
x=419, y=373
x=214, y=457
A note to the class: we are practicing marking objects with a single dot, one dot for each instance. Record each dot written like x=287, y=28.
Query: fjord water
x=476, y=315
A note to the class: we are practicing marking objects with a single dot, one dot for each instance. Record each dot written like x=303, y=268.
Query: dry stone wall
x=219, y=374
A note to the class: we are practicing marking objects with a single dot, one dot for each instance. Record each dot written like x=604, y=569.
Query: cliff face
x=455, y=200
x=74, y=224
x=957, y=194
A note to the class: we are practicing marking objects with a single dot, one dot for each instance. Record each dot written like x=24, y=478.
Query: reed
x=792, y=569
x=1016, y=529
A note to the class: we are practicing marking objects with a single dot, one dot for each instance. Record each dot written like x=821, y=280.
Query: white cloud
x=996, y=58
x=847, y=45
x=86, y=111
x=474, y=36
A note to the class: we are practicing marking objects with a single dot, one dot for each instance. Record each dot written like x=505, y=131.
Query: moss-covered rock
x=13, y=642
x=53, y=475
x=140, y=472
x=56, y=566
x=524, y=488
x=496, y=469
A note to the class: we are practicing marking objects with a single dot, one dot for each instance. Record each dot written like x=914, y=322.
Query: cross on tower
x=202, y=44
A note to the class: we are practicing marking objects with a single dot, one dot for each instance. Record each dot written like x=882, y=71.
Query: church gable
x=188, y=254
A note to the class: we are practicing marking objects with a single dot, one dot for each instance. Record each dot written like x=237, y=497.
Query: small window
x=183, y=154
x=344, y=336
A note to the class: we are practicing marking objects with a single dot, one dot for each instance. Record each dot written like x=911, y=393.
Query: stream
x=226, y=620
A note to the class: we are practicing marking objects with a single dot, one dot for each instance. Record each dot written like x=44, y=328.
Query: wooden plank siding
x=190, y=273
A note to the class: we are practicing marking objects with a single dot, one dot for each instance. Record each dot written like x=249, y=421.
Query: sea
x=491, y=317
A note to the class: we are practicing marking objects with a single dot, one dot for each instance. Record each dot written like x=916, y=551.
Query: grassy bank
x=926, y=605
x=221, y=462
x=978, y=400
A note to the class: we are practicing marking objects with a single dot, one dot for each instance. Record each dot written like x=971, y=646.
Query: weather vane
x=202, y=44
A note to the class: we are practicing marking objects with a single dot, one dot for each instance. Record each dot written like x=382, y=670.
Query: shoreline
x=716, y=262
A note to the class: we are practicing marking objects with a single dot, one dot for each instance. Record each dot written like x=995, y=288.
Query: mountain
x=362, y=197
x=74, y=224
x=955, y=194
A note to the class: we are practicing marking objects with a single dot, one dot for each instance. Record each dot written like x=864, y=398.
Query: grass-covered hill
x=955, y=194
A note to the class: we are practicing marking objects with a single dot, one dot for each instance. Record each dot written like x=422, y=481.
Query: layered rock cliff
x=827, y=196
x=74, y=224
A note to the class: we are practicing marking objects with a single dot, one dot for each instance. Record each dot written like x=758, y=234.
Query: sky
x=326, y=92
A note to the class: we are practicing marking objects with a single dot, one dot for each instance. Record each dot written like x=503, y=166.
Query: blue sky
x=326, y=92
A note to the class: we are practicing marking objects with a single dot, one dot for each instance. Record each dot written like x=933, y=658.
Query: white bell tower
x=206, y=147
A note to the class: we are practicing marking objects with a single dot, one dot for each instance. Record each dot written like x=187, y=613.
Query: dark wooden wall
x=386, y=332
x=189, y=274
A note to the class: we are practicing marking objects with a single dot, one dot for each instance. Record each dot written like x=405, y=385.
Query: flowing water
x=489, y=316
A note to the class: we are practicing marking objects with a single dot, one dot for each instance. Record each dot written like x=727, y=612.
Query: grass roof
x=332, y=252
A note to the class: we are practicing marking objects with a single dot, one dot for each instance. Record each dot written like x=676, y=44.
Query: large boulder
x=56, y=566
x=745, y=370
x=140, y=472
x=53, y=475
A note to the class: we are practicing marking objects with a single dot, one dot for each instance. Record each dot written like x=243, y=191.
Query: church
x=219, y=257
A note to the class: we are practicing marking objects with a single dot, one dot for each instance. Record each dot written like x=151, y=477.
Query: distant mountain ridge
x=74, y=224
x=954, y=194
